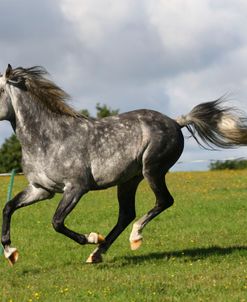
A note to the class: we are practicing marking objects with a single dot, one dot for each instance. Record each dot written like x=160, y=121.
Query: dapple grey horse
x=66, y=152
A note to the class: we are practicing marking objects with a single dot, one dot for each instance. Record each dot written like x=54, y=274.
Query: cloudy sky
x=129, y=54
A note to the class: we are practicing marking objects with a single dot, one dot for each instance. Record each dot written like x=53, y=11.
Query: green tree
x=101, y=111
x=10, y=155
x=104, y=111
x=85, y=112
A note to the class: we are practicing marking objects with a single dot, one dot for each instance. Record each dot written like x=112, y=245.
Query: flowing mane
x=44, y=90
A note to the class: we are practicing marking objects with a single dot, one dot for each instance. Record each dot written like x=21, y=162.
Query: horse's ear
x=8, y=71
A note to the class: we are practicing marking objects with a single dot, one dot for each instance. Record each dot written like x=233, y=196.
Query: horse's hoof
x=94, y=258
x=135, y=244
x=11, y=254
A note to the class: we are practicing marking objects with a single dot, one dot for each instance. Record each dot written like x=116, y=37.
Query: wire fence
x=211, y=160
x=9, y=174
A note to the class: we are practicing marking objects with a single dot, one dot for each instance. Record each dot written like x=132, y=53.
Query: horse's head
x=8, y=81
x=6, y=108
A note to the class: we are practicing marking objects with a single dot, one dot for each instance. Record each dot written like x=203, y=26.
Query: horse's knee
x=8, y=209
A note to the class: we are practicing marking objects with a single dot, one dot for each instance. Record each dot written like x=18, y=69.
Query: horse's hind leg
x=126, y=199
x=163, y=201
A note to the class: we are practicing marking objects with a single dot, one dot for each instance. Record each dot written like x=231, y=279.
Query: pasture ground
x=195, y=251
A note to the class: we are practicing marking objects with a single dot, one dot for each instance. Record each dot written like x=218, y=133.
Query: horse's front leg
x=70, y=199
x=27, y=197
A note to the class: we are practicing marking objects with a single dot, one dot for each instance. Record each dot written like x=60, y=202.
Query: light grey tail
x=214, y=124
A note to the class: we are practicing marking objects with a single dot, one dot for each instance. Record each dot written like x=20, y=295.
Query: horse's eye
x=1, y=90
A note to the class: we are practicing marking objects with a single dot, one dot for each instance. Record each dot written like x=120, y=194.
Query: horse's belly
x=112, y=171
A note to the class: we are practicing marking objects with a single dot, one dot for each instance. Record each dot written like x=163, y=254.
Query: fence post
x=11, y=183
x=9, y=194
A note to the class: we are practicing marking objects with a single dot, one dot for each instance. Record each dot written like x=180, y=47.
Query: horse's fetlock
x=5, y=241
x=82, y=240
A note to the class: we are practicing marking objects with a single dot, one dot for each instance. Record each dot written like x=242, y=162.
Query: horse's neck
x=33, y=121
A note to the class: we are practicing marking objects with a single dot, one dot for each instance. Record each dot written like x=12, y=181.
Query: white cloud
x=226, y=76
x=95, y=19
x=197, y=34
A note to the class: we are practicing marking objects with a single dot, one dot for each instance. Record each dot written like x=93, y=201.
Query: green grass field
x=195, y=251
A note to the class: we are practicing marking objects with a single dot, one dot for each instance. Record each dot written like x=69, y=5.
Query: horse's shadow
x=187, y=255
